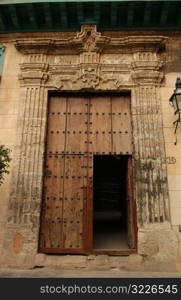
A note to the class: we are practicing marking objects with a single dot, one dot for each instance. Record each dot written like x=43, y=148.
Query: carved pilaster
x=150, y=160
x=26, y=181
x=26, y=186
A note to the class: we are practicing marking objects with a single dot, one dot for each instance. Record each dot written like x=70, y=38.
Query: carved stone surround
x=91, y=62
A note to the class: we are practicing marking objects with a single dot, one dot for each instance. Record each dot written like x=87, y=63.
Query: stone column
x=151, y=188
x=25, y=199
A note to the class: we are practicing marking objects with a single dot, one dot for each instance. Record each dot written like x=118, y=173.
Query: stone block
x=166, y=92
x=174, y=182
x=40, y=260
x=174, y=169
x=177, y=232
x=169, y=134
x=8, y=108
x=171, y=76
x=153, y=245
x=18, y=243
x=7, y=122
x=168, y=118
x=91, y=257
x=172, y=150
x=10, y=81
x=175, y=215
x=9, y=95
x=118, y=261
x=101, y=262
x=7, y=136
x=66, y=261
x=135, y=259
x=146, y=245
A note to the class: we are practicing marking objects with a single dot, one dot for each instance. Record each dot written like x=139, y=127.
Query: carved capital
x=145, y=77
x=147, y=65
x=33, y=78
x=33, y=73
x=36, y=67
x=146, y=60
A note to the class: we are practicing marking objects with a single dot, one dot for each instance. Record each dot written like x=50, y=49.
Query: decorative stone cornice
x=89, y=40
x=81, y=66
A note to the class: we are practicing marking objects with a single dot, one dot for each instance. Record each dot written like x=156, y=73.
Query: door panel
x=65, y=177
x=100, y=125
x=56, y=125
x=52, y=202
x=77, y=118
x=121, y=125
x=74, y=184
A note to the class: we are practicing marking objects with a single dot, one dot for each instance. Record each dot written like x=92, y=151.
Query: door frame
x=88, y=201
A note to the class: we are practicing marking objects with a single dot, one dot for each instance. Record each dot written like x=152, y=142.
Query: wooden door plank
x=56, y=125
x=77, y=115
x=74, y=185
x=53, y=198
x=121, y=125
x=131, y=217
x=88, y=205
x=100, y=125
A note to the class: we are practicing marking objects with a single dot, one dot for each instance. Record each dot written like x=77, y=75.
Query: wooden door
x=65, y=176
x=131, y=207
x=77, y=128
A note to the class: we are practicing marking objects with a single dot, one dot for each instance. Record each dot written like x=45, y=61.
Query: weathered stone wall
x=26, y=79
x=172, y=70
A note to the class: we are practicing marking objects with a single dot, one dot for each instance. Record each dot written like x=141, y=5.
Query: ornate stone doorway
x=93, y=62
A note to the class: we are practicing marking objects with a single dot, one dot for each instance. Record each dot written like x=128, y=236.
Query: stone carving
x=58, y=83
x=89, y=36
x=89, y=40
x=89, y=78
x=171, y=160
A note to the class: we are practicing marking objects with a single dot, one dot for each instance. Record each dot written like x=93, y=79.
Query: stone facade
x=91, y=61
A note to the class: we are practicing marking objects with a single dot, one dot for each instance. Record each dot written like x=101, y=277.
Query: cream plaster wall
x=172, y=150
x=9, y=101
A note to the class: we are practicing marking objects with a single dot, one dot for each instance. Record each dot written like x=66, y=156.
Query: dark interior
x=110, y=206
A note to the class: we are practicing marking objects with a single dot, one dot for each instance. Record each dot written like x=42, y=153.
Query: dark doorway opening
x=110, y=202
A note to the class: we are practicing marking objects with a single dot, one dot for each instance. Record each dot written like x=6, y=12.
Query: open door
x=88, y=160
x=65, y=177
x=131, y=207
